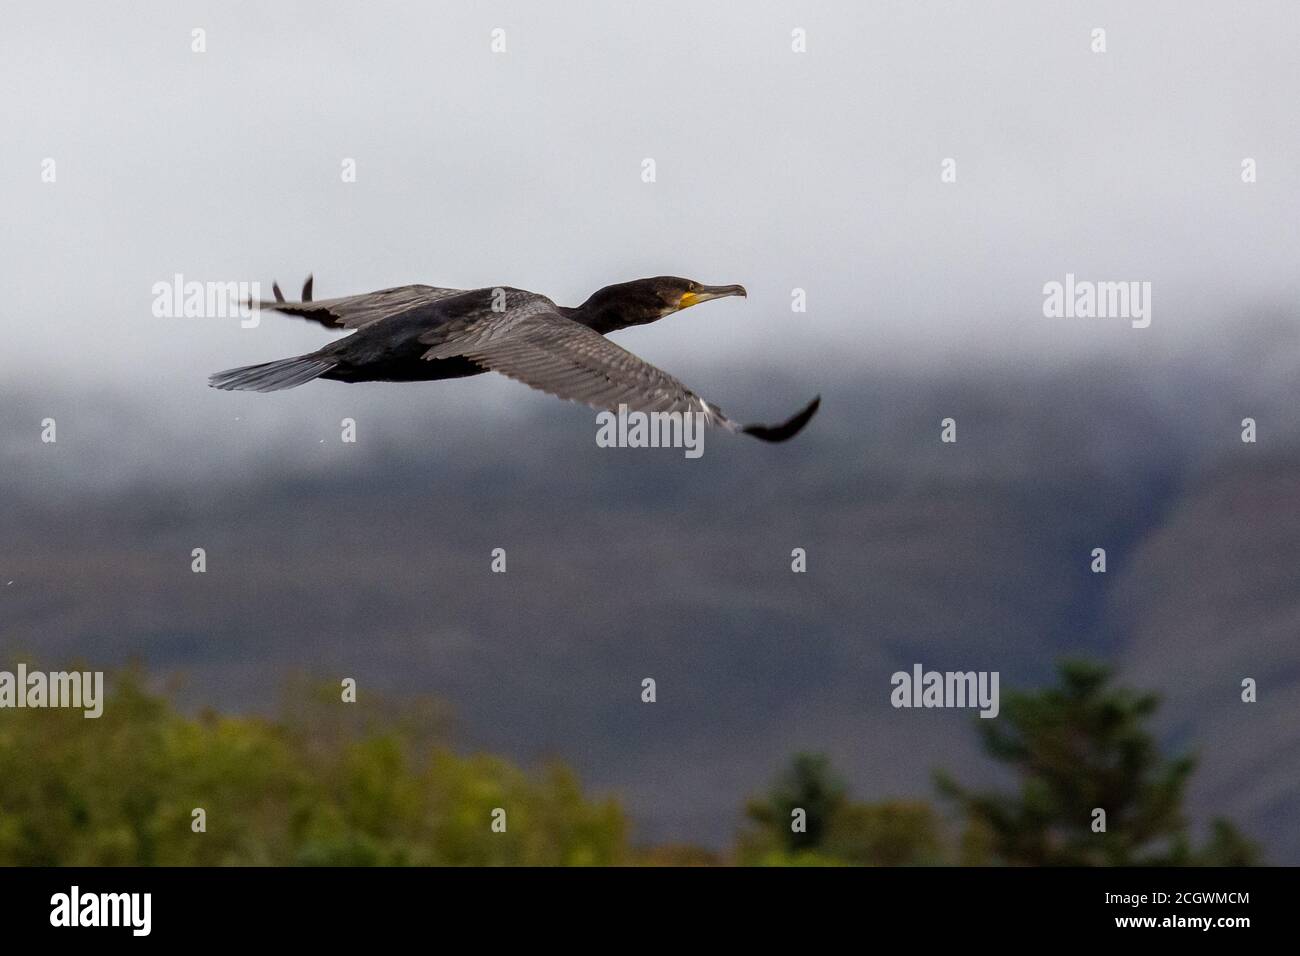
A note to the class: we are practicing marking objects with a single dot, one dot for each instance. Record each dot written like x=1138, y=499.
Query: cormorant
x=421, y=333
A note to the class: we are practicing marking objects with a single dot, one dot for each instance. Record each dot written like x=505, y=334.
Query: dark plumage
x=422, y=333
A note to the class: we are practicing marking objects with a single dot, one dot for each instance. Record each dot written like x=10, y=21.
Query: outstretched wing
x=355, y=311
x=534, y=344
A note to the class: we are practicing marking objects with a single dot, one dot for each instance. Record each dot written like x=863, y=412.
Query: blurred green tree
x=808, y=785
x=832, y=830
x=1078, y=747
x=348, y=790
x=325, y=783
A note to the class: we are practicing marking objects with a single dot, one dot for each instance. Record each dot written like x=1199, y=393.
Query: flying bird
x=418, y=333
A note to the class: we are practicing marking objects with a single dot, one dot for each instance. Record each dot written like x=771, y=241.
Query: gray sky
x=779, y=170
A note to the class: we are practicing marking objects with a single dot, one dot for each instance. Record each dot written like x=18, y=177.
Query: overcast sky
x=818, y=170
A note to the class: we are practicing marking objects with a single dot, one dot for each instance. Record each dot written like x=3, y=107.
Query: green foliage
x=833, y=830
x=316, y=787
x=1076, y=747
x=808, y=785
x=892, y=833
x=328, y=783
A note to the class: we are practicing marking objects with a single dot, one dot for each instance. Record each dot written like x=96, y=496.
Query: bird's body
x=423, y=333
x=391, y=350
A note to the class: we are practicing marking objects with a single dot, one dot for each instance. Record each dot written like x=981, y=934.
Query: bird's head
x=648, y=300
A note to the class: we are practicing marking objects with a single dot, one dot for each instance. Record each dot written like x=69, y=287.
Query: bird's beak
x=706, y=292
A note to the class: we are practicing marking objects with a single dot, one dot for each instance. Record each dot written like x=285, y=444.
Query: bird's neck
x=597, y=315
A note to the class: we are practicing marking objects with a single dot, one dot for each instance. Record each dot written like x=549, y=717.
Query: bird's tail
x=272, y=376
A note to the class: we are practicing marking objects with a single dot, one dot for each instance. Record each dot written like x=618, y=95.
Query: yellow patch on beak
x=688, y=299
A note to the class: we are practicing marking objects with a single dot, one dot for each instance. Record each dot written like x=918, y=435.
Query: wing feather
x=357, y=311
x=534, y=344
